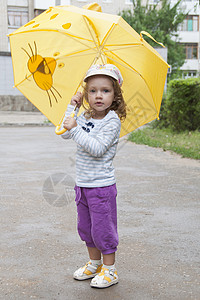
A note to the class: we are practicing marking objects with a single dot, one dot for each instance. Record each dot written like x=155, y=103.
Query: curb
x=26, y=125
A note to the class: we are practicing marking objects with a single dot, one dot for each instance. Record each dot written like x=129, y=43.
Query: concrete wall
x=17, y=2
x=190, y=64
x=189, y=36
x=11, y=98
x=6, y=76
x=16, y=103
x=3, y=26
x=44, y=4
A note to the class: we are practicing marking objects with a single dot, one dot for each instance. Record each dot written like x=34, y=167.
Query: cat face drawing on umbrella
x=42, y=69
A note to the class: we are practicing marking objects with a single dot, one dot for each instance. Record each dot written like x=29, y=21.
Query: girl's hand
x=69, y=123
x=77, y=99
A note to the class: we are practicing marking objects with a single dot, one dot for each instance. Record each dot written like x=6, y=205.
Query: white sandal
x=87, y=272
x=105, y=279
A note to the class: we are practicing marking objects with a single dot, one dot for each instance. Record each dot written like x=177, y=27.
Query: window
x=191, y=23
x=191, y=51
x=189, y=74
x=37, y=12
x=17, y=16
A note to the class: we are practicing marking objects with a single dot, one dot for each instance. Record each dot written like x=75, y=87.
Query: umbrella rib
x=103, y=43
x=124, y=64
x=106, y=38
x=76, y=38
x=84, y=17
x=53, y=30
x=107, y=35
x=96, y=58
x=132, y=44
x=94, y=29
x=119, y=48
x=75, y=54
x=26, y=78
x=97, y=46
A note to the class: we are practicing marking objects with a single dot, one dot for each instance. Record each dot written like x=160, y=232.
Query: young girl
x=96, y=133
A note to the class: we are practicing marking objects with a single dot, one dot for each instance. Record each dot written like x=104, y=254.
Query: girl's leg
x=109, y=259
x=103, y=214
x=108, y=275
x=84, y=229
x=94, y=253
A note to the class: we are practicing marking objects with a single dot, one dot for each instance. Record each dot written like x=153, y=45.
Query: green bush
x=180, y=108
x=162, y=122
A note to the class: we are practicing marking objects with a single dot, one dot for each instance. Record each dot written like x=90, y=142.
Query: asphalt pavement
x=158, y=219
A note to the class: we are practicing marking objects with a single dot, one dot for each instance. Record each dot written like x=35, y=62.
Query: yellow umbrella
x=52, y=53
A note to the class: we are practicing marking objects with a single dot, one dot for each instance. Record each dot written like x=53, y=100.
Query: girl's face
x=100, y=94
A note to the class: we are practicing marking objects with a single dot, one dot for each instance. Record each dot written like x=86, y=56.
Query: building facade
x=189, y=34
x=13, y=14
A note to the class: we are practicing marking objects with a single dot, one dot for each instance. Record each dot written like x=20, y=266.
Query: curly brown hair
x=118, y=104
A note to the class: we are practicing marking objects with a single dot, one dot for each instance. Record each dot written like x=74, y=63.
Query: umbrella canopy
x=52, y=53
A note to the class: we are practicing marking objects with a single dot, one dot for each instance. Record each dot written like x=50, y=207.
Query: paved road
x=158, y=218
x=21, y=118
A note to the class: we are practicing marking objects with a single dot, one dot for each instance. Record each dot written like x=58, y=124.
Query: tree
x=161, y=21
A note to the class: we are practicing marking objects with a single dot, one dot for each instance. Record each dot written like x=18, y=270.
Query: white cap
x=108, y=69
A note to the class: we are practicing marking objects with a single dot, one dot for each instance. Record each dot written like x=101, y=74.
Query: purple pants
x=97, y=217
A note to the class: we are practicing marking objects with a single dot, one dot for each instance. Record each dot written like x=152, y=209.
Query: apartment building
x=189, y=34
x=108, y=6
x=13, y=14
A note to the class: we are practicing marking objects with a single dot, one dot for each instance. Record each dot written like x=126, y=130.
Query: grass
x=186, y=144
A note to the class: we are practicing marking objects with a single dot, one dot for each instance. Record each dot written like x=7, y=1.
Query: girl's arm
x=69, y=110
x=76, y=100
x=98, y=145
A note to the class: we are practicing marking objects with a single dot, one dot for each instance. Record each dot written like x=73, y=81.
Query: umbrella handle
x=58, y=131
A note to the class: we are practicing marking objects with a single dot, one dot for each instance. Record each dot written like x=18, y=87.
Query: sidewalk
x=23, y=118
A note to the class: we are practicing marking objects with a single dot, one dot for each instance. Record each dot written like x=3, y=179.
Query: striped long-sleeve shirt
x=96, y=147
